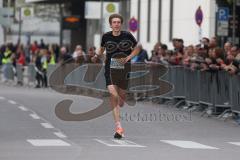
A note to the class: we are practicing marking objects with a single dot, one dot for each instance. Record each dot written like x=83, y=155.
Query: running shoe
x=119, y=133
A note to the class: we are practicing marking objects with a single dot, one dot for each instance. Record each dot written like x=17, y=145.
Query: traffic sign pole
x=234, y=21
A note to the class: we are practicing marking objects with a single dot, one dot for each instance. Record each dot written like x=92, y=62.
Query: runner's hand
x=124, y=60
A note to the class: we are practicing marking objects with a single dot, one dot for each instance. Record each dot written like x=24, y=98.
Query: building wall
x=35, y=29
x=1, y=29
x=183, y=26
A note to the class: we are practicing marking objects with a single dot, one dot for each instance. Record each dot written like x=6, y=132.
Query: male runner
x=120, y=47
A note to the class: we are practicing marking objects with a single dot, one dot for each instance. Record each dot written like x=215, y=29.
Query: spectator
x=2, y=50
x=91, y=53
x=142, y=56
x=56, y=51
x=79, y=55
x=38, y=69
x=44, y=63
x=42, y=45
x=213, y=61
x=64, y=55
x=205, y=43
x=52, y=58
x=161, y=55
x=155, y=48
x=34, y=50
x=227, y=47
x=189, y=53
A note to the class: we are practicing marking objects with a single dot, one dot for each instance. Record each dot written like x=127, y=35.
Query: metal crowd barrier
x=95, y=79
x=7, y=72
x=191, y=86
x=19, y=73
x=206, y=91
x=235, y=93
x=50, y=69
x=177, y=79
x=208, y=88
x=222, y=90
x=31, y=75
x=216, y=89
x=169, y=77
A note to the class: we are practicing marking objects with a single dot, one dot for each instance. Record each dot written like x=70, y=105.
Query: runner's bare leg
x=114, y=98
x=122, y=96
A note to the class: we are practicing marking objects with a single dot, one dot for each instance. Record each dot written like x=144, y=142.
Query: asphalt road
x=30, y=130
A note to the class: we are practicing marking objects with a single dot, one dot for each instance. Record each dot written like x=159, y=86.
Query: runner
x=120, y=47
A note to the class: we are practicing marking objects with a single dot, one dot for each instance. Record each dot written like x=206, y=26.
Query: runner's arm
x=98, y=55
x=135, y=52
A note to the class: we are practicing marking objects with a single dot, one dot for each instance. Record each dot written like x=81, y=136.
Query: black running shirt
x=114, y=45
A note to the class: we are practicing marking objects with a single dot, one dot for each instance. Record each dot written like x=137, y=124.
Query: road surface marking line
x=48, y=142
x=235, y=143
x=60, y=135
x=34, y=116
x=12, y=102
x=188, y=144
x=47, y=125
x=120, y=143
x=23, y=108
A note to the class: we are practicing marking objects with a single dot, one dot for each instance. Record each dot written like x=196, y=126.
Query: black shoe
x=118, y=136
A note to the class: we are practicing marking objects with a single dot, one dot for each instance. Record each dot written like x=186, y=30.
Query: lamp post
x=101, y=18
x=60, y=22
x=234, y=21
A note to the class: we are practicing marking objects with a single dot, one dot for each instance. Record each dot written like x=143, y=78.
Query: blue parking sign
x=223, y=14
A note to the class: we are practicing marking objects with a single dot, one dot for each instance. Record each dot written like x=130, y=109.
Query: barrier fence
x=217, y=89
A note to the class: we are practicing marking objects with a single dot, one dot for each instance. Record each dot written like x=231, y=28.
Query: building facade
x=157, y=21
x=162, y=20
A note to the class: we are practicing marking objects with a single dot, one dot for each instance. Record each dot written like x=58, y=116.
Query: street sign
x=6, y=16
x=71, y=22
x=92, y=10
x=199, y=16
x=223, y=14
x=222, y=21
x=27, y=12
x=133, y=24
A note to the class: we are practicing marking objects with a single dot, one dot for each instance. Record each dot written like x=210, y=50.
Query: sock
x=118, y=125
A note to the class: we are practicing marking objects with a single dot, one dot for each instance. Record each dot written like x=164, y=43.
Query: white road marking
x=188, y=144
x=60, y=135
x=34, y=116
x=47, y=125
x=119, y=143
x=12, y=102
x=235, y=143
x=23, y=108
x=2, y=98
x=47, y=142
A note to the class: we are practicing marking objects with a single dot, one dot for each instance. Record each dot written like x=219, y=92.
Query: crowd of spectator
x=205, y=56
x=41, y=55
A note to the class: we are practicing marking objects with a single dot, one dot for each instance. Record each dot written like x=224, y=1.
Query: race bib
x=115, y=64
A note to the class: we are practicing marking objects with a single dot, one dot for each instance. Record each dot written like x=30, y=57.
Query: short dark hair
x=115, y=15
x=164, y=46
x=207, y=39
x=180, y=40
